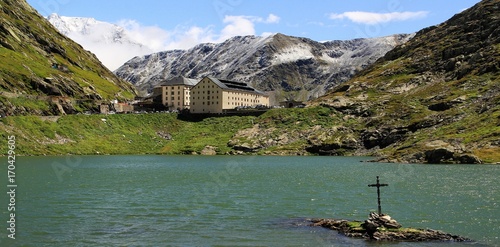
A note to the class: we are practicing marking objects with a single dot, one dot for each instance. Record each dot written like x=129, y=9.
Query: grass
x=355, y=226
x=31, y=61
x=118, y=134
x=299, y=128
x=143, y=133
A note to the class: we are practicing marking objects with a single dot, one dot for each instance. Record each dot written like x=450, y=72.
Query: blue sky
x=160, y=25
x=315, y=19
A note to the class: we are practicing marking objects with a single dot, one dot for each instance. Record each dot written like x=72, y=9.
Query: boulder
x=209, y=150
x=383, y=137
x=164, y=135
x=441, y=152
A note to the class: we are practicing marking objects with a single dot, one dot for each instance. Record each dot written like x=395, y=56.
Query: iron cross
x=378, y=185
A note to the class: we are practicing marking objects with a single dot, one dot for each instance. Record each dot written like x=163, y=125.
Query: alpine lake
x=239, y=200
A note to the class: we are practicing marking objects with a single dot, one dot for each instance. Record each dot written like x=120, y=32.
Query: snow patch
x=292, y=54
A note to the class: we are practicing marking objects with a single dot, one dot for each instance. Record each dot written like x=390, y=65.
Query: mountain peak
x=111, y=43
x=280, y=63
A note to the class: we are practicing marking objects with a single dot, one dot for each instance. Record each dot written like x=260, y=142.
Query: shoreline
x=268, y=135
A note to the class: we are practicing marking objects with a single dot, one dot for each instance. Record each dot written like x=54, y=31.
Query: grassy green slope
x=117, y=134
x=29, y=46
x=145, y=133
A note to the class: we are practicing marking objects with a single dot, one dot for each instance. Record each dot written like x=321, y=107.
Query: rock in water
x=384, y=228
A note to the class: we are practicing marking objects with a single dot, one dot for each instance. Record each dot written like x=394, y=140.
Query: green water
x=238, y=201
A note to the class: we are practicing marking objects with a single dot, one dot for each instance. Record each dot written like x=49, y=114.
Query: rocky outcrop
x=384, y=228
x=440, y=152
x=335, y=141
x=383, y=137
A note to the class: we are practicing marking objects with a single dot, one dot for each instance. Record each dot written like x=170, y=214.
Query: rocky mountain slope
x=298, y=68
x=45, y=73
x=434, y=99
x=101, y=38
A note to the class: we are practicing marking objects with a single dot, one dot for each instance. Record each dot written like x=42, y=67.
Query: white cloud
x=128, y=38
x=243, y=25
x=237, y=25
x=371, y=18
x=272, y=19
x=152, y=36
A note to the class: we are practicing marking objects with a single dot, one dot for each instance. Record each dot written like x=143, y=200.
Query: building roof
x=237, y=86
x=180, y=81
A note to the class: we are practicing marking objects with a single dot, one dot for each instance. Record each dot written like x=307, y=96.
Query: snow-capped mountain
x=111, y=43
x=293, y=67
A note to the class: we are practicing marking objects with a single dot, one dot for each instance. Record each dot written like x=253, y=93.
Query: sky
x=182, y=24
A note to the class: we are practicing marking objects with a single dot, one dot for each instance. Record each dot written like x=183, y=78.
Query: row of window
x=208, y=92
x=217, y=102
x=208, y=97
x=217, y=91
x=242, y=99
x=208, y=103
x=172, y=87
x=203, y=86
x=217, y=97
x=178, y=93
x=178, y=98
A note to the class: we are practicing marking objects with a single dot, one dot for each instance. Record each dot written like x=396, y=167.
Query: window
x=172, y=98
x=179, y=98
x=208, y=103
x=173, y=92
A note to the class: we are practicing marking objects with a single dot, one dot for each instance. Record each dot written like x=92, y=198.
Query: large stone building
x=174, y=94
x=212, y=95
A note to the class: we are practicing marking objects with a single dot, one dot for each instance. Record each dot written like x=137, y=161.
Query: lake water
x=239, y=200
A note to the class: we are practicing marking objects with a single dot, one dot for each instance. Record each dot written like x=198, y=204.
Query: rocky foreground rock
x=384, y=228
